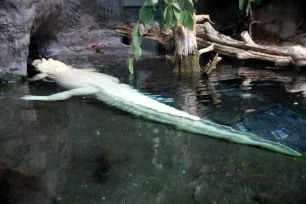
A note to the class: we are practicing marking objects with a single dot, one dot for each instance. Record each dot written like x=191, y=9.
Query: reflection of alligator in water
x=108, y=89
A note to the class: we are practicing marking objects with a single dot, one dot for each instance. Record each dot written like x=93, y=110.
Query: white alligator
x=109, y=90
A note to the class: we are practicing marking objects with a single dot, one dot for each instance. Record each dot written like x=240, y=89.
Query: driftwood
x=227, y=46
x=281, y=56
x=212, y=64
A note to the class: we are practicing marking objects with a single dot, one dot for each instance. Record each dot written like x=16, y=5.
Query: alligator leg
x=63, y=95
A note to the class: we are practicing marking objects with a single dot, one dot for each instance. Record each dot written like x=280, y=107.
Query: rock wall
x=19, y=21
x=47, y=28
x=281, y=18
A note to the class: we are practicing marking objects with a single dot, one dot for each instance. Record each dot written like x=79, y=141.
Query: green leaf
x=169, y=16
x=165, y=11
x=162, y=6
x=137, y=51
x=188, y=6
x=146, y=14
x=177, y=13
x=130, y=65
x=162, y=11
x=247, y=10
x=135, y=31
x=187, y=20
x=242, y=4
x=173, y=23
x=177, y=6
x=137, y=40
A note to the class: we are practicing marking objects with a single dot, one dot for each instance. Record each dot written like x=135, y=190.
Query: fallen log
x=282, y=56
x=227, y=46
x=242, y=54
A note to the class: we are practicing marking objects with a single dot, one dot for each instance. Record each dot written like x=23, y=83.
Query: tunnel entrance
x=41, y=46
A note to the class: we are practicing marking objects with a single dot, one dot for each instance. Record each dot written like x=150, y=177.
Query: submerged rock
x=17, y=186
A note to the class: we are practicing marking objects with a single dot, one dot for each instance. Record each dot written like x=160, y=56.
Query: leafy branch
x=171, y=11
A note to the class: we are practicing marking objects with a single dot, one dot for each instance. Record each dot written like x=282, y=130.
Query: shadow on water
x=87, y=152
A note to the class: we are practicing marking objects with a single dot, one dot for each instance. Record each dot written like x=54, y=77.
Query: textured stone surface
x=19, y=21
x=47, y=28
x=281, y=18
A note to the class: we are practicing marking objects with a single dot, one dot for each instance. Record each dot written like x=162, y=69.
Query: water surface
x=88, y=152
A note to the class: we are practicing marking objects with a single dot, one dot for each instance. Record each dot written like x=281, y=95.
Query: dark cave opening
x=41, y=46
x=33, y=54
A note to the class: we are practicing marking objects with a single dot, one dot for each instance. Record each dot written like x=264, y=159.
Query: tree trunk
x=186, y=50
x=187, y=55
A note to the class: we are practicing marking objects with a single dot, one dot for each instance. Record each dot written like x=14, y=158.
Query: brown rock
x=17, y=186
